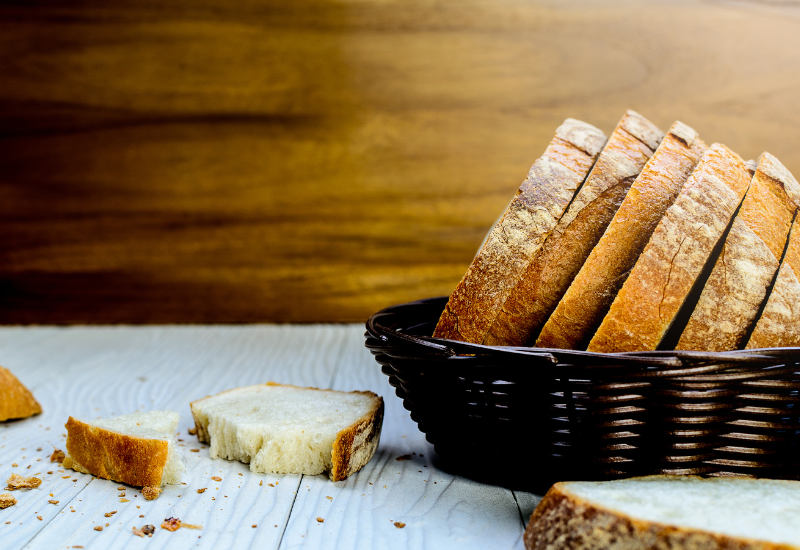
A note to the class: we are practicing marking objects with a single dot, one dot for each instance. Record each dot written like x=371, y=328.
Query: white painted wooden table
x=96, y=372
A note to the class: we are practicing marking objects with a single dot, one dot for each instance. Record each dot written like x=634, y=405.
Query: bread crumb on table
x=321, y=520
x=124, y=500
x=57, y=456
x=399, y=524
x=192, y=431
x=98, y=527
x=53, y=501
x=39, y=518
x=109, y=514
x=216, y=478
x=203, y=490
x=145, y=531
x=16, y=481
x=151, y=493
x=173, y=524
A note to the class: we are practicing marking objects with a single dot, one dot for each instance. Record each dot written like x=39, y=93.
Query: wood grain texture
x=314, y=161
x=99, y=372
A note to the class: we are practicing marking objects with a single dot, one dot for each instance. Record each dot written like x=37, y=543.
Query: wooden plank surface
x=103, y=371
x=210, y=161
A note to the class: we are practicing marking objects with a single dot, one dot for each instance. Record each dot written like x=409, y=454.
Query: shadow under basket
x=527, y=417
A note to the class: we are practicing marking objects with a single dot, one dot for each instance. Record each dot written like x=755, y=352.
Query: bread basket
x=527, y=417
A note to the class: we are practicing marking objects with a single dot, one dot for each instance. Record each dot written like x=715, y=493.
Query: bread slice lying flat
x=779, y=323
x=669, y=512
x=746, y=267
x=580, y=311
x=138, y=449
x=553, y=267
x=288, y=429
x=682, y=244
x=16, y=401
x=530, y=217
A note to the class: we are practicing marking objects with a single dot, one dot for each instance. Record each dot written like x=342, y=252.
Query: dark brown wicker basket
x=531, y=416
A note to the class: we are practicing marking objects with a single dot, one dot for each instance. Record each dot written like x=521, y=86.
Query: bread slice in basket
x=139, y=449
x=16, y=401
x=530, y=217
x=674, y=258
x=746, y=267
x=591, y=293
x=556, y=263
x=291, y=430
x=779, y=323
x=669, y=512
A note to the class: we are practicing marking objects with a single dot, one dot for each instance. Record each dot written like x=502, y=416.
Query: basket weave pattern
x=563, y=414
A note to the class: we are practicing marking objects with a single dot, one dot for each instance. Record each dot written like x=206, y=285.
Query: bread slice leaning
x=139, y=449
x=670, y=512
x=291, y=430
x=556, y=263
x=16, y=401
x=682, y=244
x=580, y=311
x=746, y=267
x=779, y=323
x=530, y=217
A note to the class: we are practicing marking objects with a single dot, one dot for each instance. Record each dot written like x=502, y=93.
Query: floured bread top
x=582, y=135
x=282, y=429
x=760, y=509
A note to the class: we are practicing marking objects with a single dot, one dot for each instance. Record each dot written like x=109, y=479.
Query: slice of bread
x=665, y=273
x=138, y=449
x=557, y=262
x=591, y=293
x=779, y=323
x=530, y=217
x=670, y=512
x=16, y=401
x=291, y=430
x=746, y=267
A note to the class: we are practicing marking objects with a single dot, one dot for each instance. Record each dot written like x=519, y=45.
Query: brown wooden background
x=255, y=160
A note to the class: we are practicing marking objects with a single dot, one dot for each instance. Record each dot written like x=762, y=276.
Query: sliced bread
x=779, y=323
x=746, y=267
x=530, y=217
x=670, y=512
x=591, y=293
x=16, y=401
x=553, y=267
x=138, y=449
x=291, y=430
x=665, y=273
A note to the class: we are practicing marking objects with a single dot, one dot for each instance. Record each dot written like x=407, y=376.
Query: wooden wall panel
x=213, y=161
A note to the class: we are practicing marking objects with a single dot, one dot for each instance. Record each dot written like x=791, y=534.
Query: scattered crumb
x=141, y=515
x=260, y=483
x=39, y=518
x=240, y=474
x=98, y=527
x=329, y=498
x=50, y=473
x=402, y=458
x=124, y=500
x=203, y=490
x=39, y=449
x=151, y=493
x=53, y=501
x=173, y=524
x=145, y=531
x=65, y=477
x=16, y=481
x=319, y=519
x=216, y=478
x=14, y=465
x=109, y=514
x=270, y=484
x=194, y=450
x=192, y=431
x=123, y=488
x=399, y=524
x=254, y=526
x=57, y=456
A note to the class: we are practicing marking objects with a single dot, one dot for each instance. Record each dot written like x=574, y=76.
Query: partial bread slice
x=665, y=273
x=669, y=512
x=553, y=267
x=530, y=217
x=291, y=430
x=591, y=293
x=16, y=401
x=746, y=267
x=779, y=323
x=138, y=449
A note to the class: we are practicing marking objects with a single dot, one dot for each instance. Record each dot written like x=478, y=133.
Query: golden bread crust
x=16, y=401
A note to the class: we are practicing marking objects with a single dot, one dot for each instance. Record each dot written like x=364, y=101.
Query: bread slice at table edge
x=582, y=308
x=530, y=217
x=354, y=445
x=682, y=245
x=124, y=458
x=737, y=287
x=562, y=254
x=16, y=401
